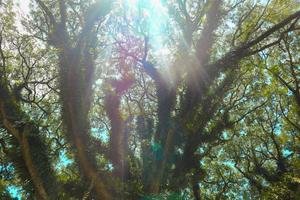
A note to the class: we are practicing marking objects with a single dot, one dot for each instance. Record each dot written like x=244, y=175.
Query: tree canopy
x=160, y=99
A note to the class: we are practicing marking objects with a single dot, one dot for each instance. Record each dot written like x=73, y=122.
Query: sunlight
x=155, y=22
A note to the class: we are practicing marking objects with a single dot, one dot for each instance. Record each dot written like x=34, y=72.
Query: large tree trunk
x=76, y=74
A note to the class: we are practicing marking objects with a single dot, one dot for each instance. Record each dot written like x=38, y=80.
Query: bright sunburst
x=155, y=19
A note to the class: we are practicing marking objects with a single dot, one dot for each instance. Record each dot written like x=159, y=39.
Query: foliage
x=162, y=99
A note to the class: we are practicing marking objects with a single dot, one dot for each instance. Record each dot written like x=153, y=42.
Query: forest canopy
x=149, y=99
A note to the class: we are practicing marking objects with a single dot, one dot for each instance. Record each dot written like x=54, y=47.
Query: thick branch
x=27, y=136
x=232, y=58
x=47, y=12
x=95, y=12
